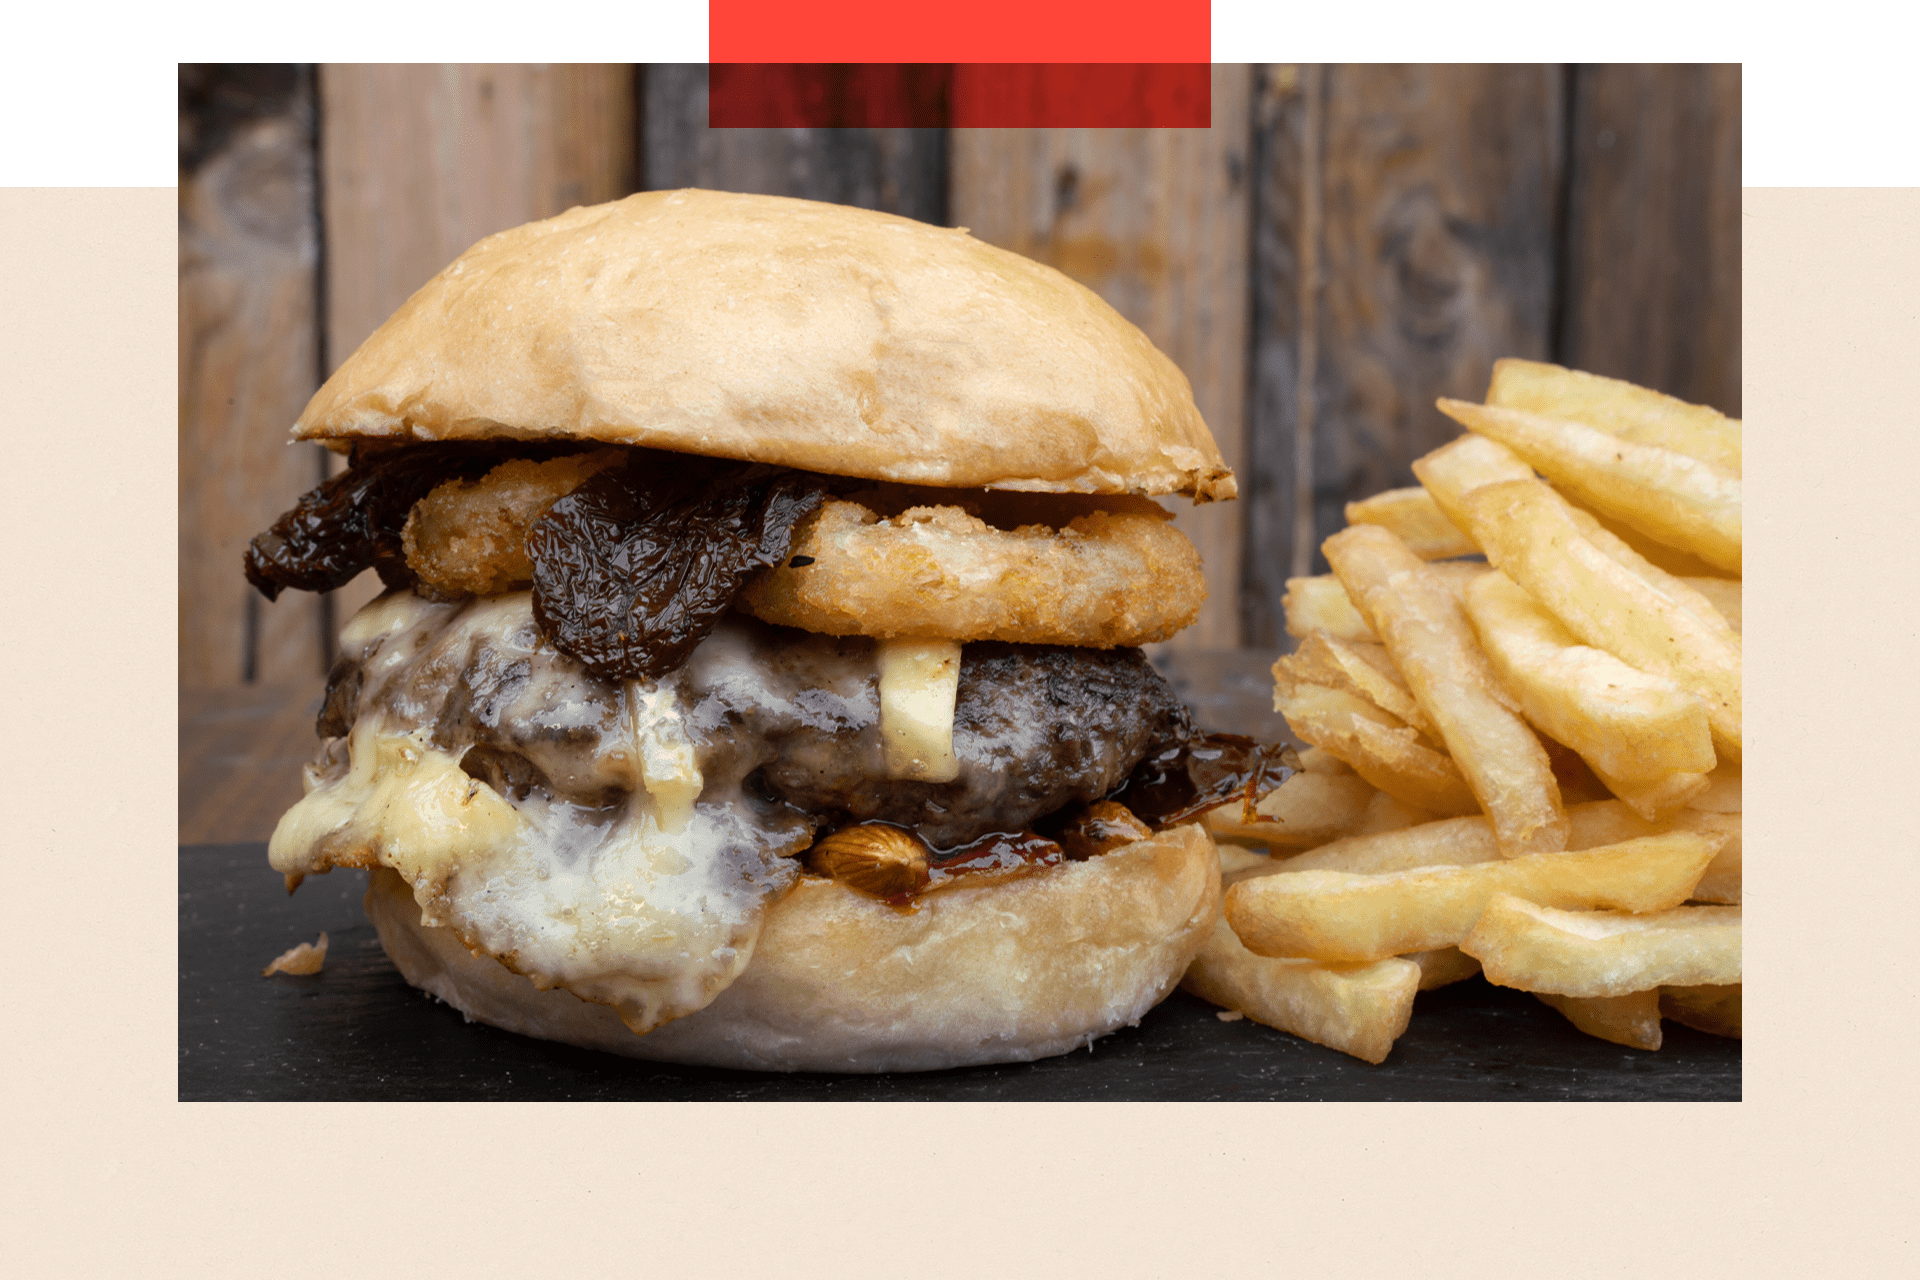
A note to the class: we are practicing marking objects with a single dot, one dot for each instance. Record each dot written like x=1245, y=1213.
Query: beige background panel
x=1810, y=1174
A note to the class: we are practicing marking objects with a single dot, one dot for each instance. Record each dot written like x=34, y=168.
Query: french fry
x=1720, y=883
x=1449, y=842
x=1332, y=915
x=1320, y=603
x=1358, y=1009
x=1381, y=749
x=1723, y=594
x=1666, y=495
x=1357, y=666
x=1415, y=520
x=1321, y=760
x=1457, y=468
x=1389, y=813
x=1657, y=797
x=1307, y=809
x=1426, y=630
x=1723, y=791
x=1632, y=1019
x=1621, y=408
x=1626, y=724
x=1444, y=967
x=1675, y=586
x=1530, y=537
x=1537, y=947
x=1236, y=859
x=1712, y=1009
x=1681, y=564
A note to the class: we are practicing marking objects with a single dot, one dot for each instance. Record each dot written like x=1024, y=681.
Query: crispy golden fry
x=1675, y=586
x=1320, y=603
x=1530, y=537
x=1681, y=564
x=1611, y=821
x=1712, y=1009
x=1723, y=791
x=1444, y=966
x=1626, y=724
x=1416, y=520
x=1448, y=842
x=1720, y=883
x=1668, y=496
x=1655, y=798
x=1621, y=408
x=1538, y=947
x=1390, y=813
x=1462, y=842
x=1457, y=468
x=1321, y=760
x=1332, y=915
x=1357, y=1009
x=1723, y=594
x=1307, y=809
x=1359, y=667
x=1380, y=748
x=1426, y=630
x=1236, y=859
x=1632, y=1020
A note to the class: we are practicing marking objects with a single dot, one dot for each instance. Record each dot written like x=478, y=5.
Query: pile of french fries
x=1521, y=687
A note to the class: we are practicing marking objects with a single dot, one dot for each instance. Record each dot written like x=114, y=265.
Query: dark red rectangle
x=1082, y=95
x=829, y=95
x=767, y=31
x=994, y=95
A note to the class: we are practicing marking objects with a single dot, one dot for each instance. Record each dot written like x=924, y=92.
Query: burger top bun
x=808, y=335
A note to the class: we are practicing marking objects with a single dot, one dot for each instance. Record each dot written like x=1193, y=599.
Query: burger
x=758, y=681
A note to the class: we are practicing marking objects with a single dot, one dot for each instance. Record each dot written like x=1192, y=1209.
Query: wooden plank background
x=1391, y=230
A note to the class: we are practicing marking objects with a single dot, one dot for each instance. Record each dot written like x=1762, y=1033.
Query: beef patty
x=784, y=722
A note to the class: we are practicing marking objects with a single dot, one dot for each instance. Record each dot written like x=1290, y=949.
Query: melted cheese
x=649, y=903
x=919, y=680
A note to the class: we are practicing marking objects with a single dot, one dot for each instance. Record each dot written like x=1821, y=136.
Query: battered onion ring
x=470, y=538
x=1108, y=578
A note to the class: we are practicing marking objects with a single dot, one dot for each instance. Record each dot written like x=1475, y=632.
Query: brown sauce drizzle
x=1183, y=780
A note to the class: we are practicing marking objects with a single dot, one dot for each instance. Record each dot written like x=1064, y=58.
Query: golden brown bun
x=809, y=335
x=1004, y=972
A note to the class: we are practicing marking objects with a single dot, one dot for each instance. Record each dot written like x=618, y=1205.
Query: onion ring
x=1104, y=580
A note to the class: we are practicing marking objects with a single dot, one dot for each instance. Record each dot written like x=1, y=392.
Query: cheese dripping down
x=606, y=877
x=919, y=681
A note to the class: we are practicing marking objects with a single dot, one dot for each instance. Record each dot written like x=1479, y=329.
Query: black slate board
x=357, y=1032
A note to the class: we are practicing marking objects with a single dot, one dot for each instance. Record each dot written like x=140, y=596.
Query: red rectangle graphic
x=982, y=31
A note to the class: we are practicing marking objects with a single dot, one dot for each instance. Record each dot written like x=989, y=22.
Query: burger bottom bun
x=996, y=972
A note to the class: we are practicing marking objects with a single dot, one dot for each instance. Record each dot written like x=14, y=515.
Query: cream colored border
x=106, y=1174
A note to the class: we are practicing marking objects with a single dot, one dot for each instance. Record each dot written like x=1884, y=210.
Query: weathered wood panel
x=248, y=362
x=1156, y=222
x=1407, y=221
x=419, y=162
x=901, y=171
x=1653, y=229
